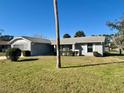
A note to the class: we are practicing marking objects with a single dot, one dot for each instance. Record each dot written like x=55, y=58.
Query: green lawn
x=2, y=54
x=77, y=75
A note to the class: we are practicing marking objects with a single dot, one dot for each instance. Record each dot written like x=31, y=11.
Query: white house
x=36, y=46
x=84, y=45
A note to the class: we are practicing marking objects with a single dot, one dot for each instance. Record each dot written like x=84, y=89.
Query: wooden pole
x=58, y=64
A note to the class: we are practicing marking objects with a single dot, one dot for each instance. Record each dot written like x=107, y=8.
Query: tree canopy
x=66, y=36
x=79, y=34
x=6, y=37
x=119, y=36
x=118, y=25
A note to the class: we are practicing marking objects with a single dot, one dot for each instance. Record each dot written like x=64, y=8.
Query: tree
x=13, y=54
x=58, y=64
x=66, y=36
x=93, y=35
x=79, y=34
x=108, y=38
x=118, y=39
x=6, y=37
x=112, y=45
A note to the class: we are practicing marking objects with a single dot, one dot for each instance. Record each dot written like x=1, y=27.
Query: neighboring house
x=36, y=46
x=4, y=45
x=84, y=45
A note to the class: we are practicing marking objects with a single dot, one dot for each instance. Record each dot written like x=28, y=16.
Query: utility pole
x=58, y=64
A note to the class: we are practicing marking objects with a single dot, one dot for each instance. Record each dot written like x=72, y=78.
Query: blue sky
x=36, y=17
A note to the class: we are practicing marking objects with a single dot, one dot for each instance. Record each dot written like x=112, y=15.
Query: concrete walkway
x=2, y=57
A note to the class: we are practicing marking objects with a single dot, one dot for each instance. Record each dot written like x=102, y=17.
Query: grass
x=77, y=75
x=2, y=54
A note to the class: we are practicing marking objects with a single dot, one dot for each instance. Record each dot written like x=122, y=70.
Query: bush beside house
x=96, y=54
x=13, y=54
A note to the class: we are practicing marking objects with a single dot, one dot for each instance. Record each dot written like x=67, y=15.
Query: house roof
x=4, y=42
x=36, y=40
x=32, y=39
x=93, y=39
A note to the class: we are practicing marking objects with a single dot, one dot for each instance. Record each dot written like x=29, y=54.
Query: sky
x=36, y=17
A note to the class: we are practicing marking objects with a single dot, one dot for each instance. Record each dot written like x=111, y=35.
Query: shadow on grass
x=91, y=65
x=112, y=54
x=28, y=60
x=116, y=55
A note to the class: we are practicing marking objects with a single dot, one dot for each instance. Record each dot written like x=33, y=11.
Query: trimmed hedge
x=13, y=54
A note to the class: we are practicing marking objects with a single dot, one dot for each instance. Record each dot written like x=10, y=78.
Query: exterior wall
x=106, y=48
x=99, y=48
x=46, y=49
x=40, y=49
x=35, y=48
x=22, y=44
x=83, y=49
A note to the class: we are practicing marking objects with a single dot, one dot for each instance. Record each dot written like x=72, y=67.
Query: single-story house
x=36, y=46
x=4, y=45
x=85, y=46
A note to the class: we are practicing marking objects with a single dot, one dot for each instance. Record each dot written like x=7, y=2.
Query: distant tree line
x=109, y=40
x=6, y=37
x=108, y=35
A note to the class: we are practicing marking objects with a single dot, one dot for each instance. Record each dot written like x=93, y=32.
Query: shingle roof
x=37, y=40
x=32, y=39
x=93, y=39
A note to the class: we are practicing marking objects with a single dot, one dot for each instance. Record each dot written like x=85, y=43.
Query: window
x=3, y=46
x=89, y=47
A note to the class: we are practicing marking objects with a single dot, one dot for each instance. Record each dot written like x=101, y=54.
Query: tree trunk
x=120, y=51
x=58, y=64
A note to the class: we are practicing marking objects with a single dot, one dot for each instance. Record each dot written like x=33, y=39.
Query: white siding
x=83, y=49
x=22, y=44
x=35, y=48
x=98, y=48
x=84, y=52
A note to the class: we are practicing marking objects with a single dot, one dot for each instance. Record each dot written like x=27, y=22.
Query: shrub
x=26, y=53
x=96, y=54
x=13, y=54
x=106, y=54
